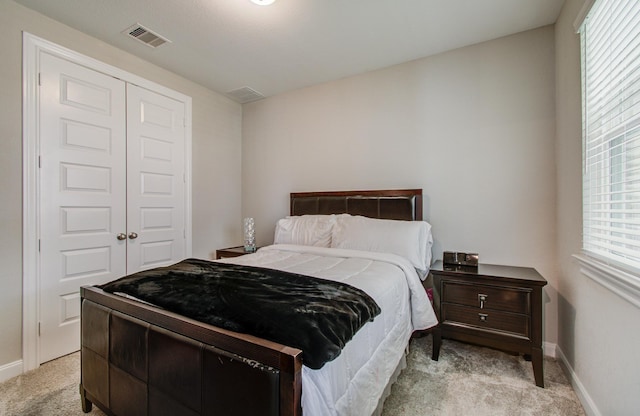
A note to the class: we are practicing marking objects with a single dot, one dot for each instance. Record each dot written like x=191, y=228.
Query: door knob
x=121, y=236
x=133, y=236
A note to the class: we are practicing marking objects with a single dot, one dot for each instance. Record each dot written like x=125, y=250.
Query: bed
x=140, y=359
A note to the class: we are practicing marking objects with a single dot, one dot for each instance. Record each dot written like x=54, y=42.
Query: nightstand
x=490, y=305
x=231, y=252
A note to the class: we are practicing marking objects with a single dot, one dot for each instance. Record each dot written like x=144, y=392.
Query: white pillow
x=305, y=230
x=409, y=239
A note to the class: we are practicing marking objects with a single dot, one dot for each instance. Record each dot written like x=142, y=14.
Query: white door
x=82, y=194
x=155, y=179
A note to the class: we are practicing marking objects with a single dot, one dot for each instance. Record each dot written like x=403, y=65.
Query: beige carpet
x=471, y=380
x=467, y=380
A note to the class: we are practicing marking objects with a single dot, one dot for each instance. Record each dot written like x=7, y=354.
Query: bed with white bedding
x=353, y=383
x=242, y=374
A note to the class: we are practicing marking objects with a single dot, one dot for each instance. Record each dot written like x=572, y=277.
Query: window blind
x=610, y=42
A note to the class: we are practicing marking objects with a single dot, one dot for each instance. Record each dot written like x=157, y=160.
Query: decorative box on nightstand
x=490, y=305
x=231, y=252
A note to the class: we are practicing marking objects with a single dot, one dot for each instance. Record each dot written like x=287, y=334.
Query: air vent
x=146, y=36
x=245, y=95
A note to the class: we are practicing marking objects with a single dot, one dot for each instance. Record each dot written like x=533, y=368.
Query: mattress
x=353, y=383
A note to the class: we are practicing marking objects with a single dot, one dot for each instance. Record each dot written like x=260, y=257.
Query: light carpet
x=472, y=380
x=467, y=380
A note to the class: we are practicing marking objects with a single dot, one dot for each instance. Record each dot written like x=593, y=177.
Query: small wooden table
x=490, y=305
x=232, y=252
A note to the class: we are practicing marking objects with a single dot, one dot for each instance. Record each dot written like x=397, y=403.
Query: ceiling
x=226, y=45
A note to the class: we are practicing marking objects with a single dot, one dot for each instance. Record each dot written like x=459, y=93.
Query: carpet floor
x=472, y=380
x=467, y=380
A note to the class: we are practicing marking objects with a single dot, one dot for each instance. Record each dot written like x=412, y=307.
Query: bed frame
x=138, y=359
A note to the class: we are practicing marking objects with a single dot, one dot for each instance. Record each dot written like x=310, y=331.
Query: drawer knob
x=482, y=298
x=483, y=317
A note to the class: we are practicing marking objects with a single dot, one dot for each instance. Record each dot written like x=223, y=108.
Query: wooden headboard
x=396, y=204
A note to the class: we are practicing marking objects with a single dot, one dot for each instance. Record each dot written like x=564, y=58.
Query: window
x=610, y=37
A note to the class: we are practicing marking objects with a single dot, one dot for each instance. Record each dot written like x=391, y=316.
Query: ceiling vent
x=146, y=36
x=245, y=95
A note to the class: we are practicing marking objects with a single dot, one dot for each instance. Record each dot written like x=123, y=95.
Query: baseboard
x=10, y=370
x=549, y=349
x=589, y=406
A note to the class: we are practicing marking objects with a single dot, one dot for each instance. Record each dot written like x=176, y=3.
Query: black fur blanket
x=315, y=315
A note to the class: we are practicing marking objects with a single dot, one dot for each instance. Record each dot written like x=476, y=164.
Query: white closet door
x=155, y=179
x=82, y=194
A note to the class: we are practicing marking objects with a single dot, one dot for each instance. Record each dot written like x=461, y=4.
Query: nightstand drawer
x=512, y=323
x=487, y=297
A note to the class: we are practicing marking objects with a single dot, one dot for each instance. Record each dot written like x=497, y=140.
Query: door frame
x=32, y=47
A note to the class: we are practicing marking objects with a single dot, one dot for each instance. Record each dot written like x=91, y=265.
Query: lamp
x=263, y=2
x=249, y=232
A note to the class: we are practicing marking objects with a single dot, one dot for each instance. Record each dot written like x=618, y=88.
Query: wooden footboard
x=141, y=360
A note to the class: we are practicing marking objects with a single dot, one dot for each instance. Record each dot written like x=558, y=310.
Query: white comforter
x=353, y=383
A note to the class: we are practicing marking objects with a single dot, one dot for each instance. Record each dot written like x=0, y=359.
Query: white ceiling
x=229, y=44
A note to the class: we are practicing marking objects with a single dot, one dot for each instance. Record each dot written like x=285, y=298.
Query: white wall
x=598, y=331
x=215, y=170
x=474, y=128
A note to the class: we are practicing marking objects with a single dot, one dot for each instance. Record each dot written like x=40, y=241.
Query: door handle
x=133, y=236
x=121, y=236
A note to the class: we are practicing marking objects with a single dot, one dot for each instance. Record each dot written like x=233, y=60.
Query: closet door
x=82, y=194
x=155, y=179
